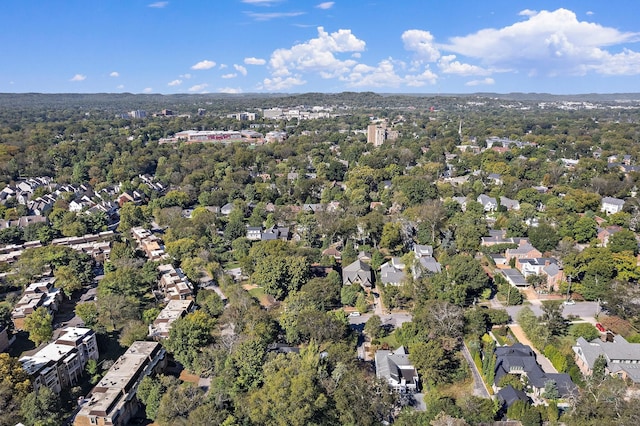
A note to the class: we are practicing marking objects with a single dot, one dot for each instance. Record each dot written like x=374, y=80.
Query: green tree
x=552, y=316
x=41, y=408
x=177, y=403
x=14, y=386
x=392, y=237
x=290, y=395
x=349, y=294
x=210, y=301
x=67, y=279
x=434, y=363
x=132, y=331
x=39, y=325
x=188, y=335
x=88, y=313
x=585, y=229
x=623, y=240
x=373, y=327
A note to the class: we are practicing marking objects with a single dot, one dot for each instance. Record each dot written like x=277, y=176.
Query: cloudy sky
x=294, y=46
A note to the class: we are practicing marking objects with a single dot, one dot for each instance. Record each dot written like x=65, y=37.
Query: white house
x=611, y=205
x=397, y=370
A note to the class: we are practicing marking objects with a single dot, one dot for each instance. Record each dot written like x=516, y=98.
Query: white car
x=354, y=314
x=569, y=302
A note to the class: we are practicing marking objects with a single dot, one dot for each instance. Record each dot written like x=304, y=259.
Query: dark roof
x=508, y=395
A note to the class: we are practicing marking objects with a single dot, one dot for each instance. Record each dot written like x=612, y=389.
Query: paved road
x=479, y=387
x=395, y=319
x=585, y=310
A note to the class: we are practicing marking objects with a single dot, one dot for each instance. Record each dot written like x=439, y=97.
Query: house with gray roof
x=514, y=277
x=509, y=204
x=520, y=360
x=622, y=357
x=611, y=205
x=488, y=203
x=392, y=272
x=357, y=273
x=397, y=370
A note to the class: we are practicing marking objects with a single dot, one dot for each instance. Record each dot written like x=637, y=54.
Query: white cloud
x=159, y=4
x=230, y=75
x=484, y=82
x=448, y=65
x=120, y=86
x=384, y=75
x=528, y=12
x=590, y=13
x=114, y=74
x=254, y=61
x=242, y=70
x=147, y=90
x=273, y=15
x=229, y=90
x=175, y=83
x=186, y=76
x=78, y=77
x=261, y=2
x=204, y=65
x=198, y=87
x=551, y=43
x=326, y=5
x=280, y=83
x=223, y=66
x=421, y=42
x=317, y=55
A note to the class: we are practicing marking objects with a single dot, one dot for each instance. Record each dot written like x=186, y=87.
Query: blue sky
x=295, y=46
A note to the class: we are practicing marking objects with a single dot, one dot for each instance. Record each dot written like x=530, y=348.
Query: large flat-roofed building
x=60, y=364
x=174, y=310
x=208, y=135
x=113, y=400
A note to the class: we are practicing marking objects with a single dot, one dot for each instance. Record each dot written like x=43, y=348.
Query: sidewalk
x=544, y=362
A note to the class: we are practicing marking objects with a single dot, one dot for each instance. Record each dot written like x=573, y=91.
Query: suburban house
x=520, y=359
x=605, y=233
x=488, y=203
x=60, y=364
x=426, y=263
x=113, y=400
x=611, y=205
x=509, y=204
x=547, y=267
x=524, y=251
x=392, y=272
x=622, y=358
x=357, y=273
x=462, y=201
x=397, y=370
x=494, y=178
x=174, y=310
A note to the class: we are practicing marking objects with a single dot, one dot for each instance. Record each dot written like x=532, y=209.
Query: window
x=93, y=420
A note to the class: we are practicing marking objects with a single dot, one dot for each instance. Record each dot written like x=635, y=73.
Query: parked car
x=569, y=302
x=600, y=328
x=354, y=314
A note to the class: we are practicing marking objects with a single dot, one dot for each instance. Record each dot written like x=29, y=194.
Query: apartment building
x=174, y=310
x=60, y=364
x=41, y=293
x=113, y=400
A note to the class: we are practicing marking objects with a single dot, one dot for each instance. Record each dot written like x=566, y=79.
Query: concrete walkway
x=544, y=362
x=479, y=386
